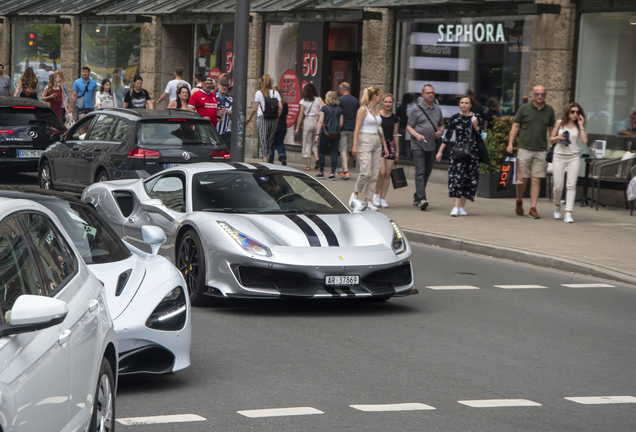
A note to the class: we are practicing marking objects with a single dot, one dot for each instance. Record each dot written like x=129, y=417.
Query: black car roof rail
x=126, y=110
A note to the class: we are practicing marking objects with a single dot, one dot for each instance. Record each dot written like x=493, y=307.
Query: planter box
x=488, y=188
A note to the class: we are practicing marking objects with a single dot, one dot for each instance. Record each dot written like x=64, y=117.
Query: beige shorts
x=533, y=163
x=346, y=141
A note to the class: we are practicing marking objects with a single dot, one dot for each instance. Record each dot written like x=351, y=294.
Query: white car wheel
x=103, y=419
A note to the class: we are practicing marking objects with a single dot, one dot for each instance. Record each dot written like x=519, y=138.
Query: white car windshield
x=262, y=191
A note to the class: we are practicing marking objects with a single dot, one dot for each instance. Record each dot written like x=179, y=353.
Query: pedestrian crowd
x=368, y=129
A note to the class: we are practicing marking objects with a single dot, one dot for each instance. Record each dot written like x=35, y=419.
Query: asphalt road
x=532, y=347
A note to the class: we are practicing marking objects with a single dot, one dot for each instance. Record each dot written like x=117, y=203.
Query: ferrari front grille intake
x=388, y=279
x=263, y=278
x=171, y=313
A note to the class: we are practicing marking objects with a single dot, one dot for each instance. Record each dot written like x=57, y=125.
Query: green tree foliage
x=497, y=143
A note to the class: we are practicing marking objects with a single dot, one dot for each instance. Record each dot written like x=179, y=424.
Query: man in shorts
x=84, y=90
x=349, y=105
x=535, y=121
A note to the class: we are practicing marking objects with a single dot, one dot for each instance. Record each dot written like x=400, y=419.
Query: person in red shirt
x=204, y=101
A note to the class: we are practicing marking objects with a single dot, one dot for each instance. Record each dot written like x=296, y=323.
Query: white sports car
x=145, y=293
x=259, y=231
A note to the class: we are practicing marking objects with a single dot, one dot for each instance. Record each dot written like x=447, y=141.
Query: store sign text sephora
x=471, y=32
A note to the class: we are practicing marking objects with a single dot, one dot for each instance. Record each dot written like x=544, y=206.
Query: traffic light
x=32, y=39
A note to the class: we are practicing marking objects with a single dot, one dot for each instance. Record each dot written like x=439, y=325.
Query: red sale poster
x=292, y=92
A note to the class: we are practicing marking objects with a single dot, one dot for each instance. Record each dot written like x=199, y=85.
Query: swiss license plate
x=29, y=153
x=342, y=280
x=172, y=165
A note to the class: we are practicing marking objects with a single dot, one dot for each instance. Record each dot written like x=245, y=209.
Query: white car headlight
x=248, y=244
x=398, y=244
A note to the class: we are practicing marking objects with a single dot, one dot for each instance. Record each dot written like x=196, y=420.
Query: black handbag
x=550, y=154
x=462, y=150
x=398, y=178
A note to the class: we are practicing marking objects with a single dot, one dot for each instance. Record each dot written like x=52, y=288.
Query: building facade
x=578, y=49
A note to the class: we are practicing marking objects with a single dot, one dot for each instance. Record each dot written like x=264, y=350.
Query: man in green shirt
x=535, y=120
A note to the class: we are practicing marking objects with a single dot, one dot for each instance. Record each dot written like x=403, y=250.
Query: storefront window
x=343, y=37
x=491, y=56
x=606, y=77
x=36, y=46
x=111, y=51
x=281, y=47
x=207, y=49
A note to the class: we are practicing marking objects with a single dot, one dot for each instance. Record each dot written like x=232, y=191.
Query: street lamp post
x=239, y=108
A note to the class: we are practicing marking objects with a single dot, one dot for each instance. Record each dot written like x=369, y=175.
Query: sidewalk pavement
x=599, y=243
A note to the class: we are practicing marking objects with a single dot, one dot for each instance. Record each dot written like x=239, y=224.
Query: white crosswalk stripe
x=179, y=418
x=519, y=286
x=600, y=400
x=393, y=407
x=498, y=403
x=453, y=287
x=592, y=285
x=280, y=412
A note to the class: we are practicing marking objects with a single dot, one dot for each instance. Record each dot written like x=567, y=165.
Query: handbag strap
x=429, y=119
x=376, y=121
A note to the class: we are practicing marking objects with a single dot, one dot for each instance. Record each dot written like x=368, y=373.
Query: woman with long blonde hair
x=368, y=145
x=267, y=119
x=28, y=85
x=53, y=94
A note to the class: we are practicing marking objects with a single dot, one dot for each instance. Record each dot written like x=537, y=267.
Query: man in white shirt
x=171, y=88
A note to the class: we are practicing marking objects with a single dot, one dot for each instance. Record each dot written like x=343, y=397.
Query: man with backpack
x=268, y=105
x=330, y=121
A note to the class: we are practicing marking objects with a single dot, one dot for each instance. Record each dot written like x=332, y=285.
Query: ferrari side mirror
x=358, y=205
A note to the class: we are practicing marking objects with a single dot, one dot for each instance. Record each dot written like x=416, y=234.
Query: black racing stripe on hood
x=260, y=166
x=312, y=237
x=326, y=230
x=239, y=165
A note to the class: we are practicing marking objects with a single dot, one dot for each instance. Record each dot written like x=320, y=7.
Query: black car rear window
x=178, y=132
x=21, y=116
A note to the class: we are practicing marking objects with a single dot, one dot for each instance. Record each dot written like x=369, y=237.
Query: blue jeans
x=279, y=142
x=328, y=145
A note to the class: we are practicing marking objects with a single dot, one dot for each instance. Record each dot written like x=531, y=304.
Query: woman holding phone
x=566, y=134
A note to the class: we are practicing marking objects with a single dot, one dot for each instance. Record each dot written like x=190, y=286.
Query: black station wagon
x=119, y=143
x=27, y=127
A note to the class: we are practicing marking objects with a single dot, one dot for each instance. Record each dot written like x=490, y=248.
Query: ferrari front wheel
x=191, y=263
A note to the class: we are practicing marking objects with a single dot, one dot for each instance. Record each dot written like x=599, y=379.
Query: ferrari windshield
x=179, y=132
x=262, y=191
x=96, y=242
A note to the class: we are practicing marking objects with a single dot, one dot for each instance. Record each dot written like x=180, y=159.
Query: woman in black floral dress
x=463, y=174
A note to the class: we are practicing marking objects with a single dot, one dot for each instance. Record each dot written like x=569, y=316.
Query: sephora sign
x=490, y=32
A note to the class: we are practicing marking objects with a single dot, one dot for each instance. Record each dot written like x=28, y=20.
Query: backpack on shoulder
x=270, y=110
x=332, y=128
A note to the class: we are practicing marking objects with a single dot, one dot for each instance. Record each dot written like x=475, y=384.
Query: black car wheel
x=191, y=263
x=101, y=176
x=103, y=419
x=45, y=178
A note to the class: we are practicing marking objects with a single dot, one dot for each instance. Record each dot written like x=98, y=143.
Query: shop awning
x=11, y=7
x=356, y=4
x=194, y=7
x=150, y=7
x=229, y=6
x=63, y=7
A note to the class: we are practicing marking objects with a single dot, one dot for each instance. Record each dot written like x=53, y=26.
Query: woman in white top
x=368, y=145
x=310, y=106
x=265, y=123
x=570, y=128
x=105, y=98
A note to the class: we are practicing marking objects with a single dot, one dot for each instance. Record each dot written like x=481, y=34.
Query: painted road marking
x=452, y=287
x=598, y=285
x=496, y=403
x=519, y=286
x=598, y=400
x=394, y=407
x=179, y=418
x=280, y=412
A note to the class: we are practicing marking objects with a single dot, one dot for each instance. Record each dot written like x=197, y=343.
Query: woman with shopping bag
x=463, y=171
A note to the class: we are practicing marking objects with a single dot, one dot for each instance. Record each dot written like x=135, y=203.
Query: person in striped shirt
x=224, y=111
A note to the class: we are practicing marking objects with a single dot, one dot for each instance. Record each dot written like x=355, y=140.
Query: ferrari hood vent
x=121, y=282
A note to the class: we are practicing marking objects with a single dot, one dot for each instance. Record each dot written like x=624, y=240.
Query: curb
x=517, y=255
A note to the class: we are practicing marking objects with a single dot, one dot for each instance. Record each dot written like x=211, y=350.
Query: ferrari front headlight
x=248, y=244
x=398, y=244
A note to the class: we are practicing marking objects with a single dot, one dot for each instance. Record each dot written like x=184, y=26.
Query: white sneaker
x=568, y=218
x=371, y=207
x=353, y=196
x=455, y=211
x=462, y=211
x=376, y=200
x=384, y=204
x=557, y=212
